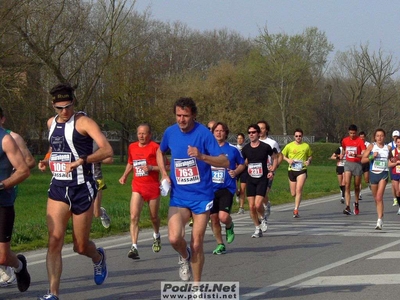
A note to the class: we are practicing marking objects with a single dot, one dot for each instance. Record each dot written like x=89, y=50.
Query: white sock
x=156, y=235
x=134, y=245
x=16, y=270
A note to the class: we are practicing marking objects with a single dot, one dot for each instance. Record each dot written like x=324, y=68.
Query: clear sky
x=346, y=23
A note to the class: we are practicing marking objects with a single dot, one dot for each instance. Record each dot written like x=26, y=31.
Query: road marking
x=350, y=280
x=291, y=281
x=386, y=255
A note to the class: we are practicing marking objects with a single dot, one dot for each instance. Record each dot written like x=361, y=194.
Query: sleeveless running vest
x=7, y=196
x=67, y=145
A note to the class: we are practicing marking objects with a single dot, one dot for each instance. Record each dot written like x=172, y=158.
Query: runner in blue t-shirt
x=224, y=181
x=193, y=151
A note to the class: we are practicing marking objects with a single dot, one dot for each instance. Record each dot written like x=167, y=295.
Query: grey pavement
x=322, y=255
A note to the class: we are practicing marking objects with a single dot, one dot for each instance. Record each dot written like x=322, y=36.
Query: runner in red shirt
x=353, y=148
x=145, y=186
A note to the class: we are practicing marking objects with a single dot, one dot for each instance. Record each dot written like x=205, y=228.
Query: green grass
x=30, y=230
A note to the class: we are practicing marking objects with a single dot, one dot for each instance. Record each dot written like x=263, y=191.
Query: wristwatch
x=1, y=186
x=84, y=157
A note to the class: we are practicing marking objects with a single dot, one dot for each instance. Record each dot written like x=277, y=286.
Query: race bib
x=398, y=169
x=351, y=151
x=186, y=171
x=379, y=165
x=218, y=175
x=297, y=165
x=58, y=164
x=138, y=165
x=255, y=170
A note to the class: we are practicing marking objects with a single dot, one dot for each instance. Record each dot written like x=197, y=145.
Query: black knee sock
x=342, y=188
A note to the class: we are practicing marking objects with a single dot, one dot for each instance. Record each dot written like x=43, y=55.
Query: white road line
x=386, y=255
x=291, y=281
x=350, y=280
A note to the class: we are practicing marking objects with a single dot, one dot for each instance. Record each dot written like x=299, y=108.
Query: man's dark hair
x=224, y=127
x=353, y=127
x=1, y=113
x=361, y=133
x=184, y=102
x=62, y=92
x=265, y=123
x=241, y=134
x=255, y=126
x=298, y=130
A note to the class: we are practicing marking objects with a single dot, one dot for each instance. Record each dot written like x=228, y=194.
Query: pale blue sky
x=347, y=23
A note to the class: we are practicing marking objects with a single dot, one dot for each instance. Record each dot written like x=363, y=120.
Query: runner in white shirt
x=265, y=128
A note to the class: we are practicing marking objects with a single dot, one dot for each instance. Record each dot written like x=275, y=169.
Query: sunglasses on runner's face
x=63, y=107
x=252, y=132
x=298, y=136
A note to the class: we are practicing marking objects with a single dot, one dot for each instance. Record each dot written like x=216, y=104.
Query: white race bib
x=297, y=165
x=186, y=171
x=255, y=170
x=218, y=175
x=58, y=164
x=138, y=165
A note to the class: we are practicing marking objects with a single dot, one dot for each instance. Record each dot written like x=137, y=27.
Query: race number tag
x=351, y=151
x=138, y=165
x=398, y=169
x=186, y=171
x=58, y=164
x=218, y=175
x=379, y=165
x=297, y=165
x=255, y=170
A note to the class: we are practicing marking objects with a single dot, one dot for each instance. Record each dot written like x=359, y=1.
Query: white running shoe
x=257, y=233
x=105, y=219
x=398, y=212
x=7, y=276
x=379, y=224
x=264, y=225
x=185, y=270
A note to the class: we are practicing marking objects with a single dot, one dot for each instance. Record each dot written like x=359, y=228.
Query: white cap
x=396, y=133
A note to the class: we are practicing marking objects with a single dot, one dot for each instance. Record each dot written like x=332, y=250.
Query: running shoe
x=230, y=235
x=191, y=222
x=48, y=296
x=258, y=233
x=23, y=277
x=237, y=199
x=264, y=225
x=356, y=209
x=156, y=244
x=398, y=212
x=395, y=203
x=7, y=277
x=220, y=249
x=185, y=270
x=105, y=219
x=360, y=197
x=241, y=211
x=347, y=211
x=379, y=224
x=342, y=200
x=296, y=213
x=133, y=253
x=100, y=269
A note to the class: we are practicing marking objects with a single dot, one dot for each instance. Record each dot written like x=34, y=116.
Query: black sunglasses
x=251, y=132
x=63, y=107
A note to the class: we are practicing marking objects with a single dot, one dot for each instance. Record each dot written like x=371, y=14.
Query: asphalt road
x=322, y=255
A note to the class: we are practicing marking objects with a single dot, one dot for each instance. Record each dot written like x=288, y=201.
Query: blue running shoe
x=48, y=296
x=100, y=269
